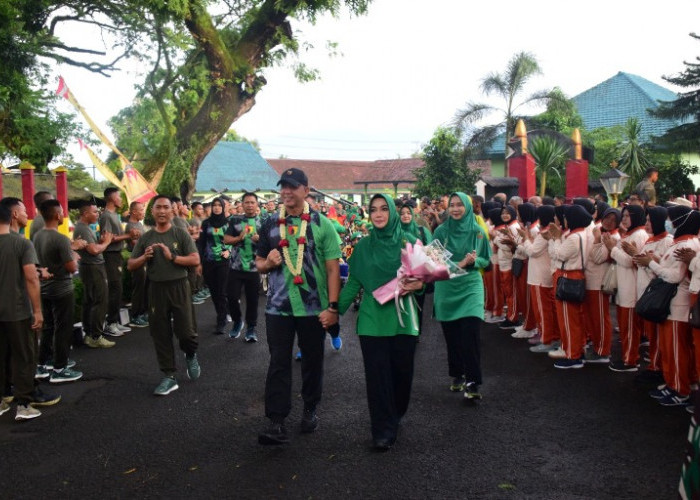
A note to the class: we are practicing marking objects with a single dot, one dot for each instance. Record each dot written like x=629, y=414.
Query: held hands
x=629, y=248
x=608, y=241
x=164, y=248
x=148, y=253
x=134, y=234
x=554, y=231
x=643, y=259
x=409, y=285
x=328, y=318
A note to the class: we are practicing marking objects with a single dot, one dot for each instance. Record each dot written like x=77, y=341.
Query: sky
x=407, y=67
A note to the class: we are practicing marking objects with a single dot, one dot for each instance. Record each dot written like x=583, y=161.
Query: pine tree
x=684, y=137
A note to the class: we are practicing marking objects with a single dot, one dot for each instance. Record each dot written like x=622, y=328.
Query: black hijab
x=511, y=211
x=495, y=216
x=657, y=218
x=218, y=220
x=560, y=214
x=486, y=208
x=637, y=216
x=577, y=217
x=618, y=216
x=685, y=221
x=586, y=204
x=545, y=214
x=526, y=211
x=600, y=207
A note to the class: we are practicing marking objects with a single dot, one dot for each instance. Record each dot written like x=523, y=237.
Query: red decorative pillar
x=523, y=167
x=576, y=179
x=62, y=197
x=27, y=170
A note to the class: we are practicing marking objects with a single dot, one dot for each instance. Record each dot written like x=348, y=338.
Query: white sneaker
x=524, y=334
x=113, y=330
x=495, y=319
x=123, y=328
x=27, y=412
x=558, y=354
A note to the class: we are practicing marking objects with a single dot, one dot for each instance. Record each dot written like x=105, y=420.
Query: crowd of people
x=520, y=261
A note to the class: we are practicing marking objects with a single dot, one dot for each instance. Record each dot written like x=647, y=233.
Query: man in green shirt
x=93, y=275
x=299, y=249
x=243, y=233
x=38, y=222
x=57, y=298
x=169, y=251
x=110, y=221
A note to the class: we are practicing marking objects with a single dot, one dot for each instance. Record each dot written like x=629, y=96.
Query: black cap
x=295, y=177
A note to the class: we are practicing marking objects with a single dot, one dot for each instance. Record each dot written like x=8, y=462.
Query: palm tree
x=633, y=156
x=550, y=156
x=521, y=68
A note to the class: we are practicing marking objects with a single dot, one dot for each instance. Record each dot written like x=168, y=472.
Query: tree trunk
x=543, y=184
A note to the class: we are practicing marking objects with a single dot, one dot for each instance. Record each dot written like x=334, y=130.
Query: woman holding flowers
x=387, y=333
x=459, y=302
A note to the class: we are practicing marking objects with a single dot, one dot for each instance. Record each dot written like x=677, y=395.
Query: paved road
x=539, y=432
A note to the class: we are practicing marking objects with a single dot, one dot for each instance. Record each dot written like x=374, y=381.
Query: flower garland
x=301, y=243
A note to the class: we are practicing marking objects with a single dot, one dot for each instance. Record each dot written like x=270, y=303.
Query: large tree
x=205, y=62
x=686, y=109
x=508, y=85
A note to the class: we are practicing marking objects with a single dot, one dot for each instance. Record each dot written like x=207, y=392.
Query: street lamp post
x=614, y=183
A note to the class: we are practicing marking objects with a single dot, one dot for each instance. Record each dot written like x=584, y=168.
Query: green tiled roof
x=235, y=166
x=621, y=97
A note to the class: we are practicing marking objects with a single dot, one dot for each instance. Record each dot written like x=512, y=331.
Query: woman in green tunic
x=459, y=302
x=387, y=345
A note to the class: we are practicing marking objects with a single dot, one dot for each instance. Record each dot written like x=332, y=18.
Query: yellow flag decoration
x=133, y=183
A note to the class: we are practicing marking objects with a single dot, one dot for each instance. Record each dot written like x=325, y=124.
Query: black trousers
x=463, y=339
x=280, y=341
x=17, y=338
x=139, y=282
x=216, y=278
x=114, y=263
x=388, y=375
x=94, y=280
x=57, y=334
x=250, y=282
x=420, y=300
x=171, y=300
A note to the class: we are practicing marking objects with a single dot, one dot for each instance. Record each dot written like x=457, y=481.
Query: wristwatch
x=333, y=305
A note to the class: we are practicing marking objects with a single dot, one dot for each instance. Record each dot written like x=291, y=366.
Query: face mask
x=668, y=225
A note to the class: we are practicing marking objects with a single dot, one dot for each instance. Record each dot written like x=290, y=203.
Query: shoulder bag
x=655, y=303
x=609, y=284
x=572, y=289
x=517, y=267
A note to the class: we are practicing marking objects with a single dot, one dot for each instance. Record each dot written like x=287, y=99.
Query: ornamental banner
x=134, y=185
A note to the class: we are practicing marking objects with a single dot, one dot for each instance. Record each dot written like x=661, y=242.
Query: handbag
x=517, y=266
x=655, y=303
x=572, y=289
x=694, y=316
x=609, y=284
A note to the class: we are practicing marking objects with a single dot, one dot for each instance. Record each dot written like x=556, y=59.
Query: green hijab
x=377, y=257
x=411, y=227
x=461, y=236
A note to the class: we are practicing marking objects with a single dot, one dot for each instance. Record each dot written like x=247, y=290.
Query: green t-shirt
x=83, y=231
x=159, y=268
x=53, y=250
x=284, y=297
x=110, y=221
x=181, y=223
x=16, y=253
x=243, y=254
x=37, y=225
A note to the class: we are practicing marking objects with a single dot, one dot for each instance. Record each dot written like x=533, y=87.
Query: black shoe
x=275, y=434
x=471, y=392
x=507, y=324
x=39, y=398
x=309, y=421
x=382, y=444
x=620, y=366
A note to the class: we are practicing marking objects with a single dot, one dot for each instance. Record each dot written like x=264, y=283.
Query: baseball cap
x=295, y=177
